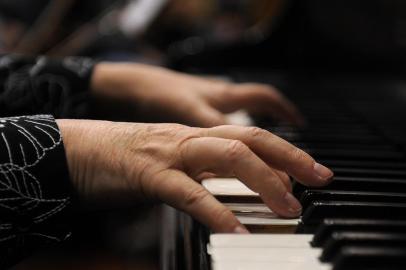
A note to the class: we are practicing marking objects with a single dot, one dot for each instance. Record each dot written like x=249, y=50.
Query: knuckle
x=222, y=215
x=256, y=132
x=235, y=149
x=224, y=89
x=195, y=196
x=299, y=155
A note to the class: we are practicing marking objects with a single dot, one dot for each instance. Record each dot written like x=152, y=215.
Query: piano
x=354, y=99
x=356, y=127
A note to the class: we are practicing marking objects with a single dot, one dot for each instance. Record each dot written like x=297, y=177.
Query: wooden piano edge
x=183, y=242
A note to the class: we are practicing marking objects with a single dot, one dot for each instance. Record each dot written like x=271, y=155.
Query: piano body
x=356, y=113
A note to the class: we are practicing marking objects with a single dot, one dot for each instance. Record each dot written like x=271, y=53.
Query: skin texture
x=164, y=162
x=184, y=98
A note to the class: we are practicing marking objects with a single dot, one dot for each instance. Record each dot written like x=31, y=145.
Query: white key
x=249, y=208
x=258, y=214
x=267, y=254
x=260, y=240
x=234, y=187
x=270, y=266
x=274, y=221
x=227, y=187
x=239, y=118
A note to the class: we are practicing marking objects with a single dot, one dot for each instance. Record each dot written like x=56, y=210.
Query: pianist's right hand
x=109, y=160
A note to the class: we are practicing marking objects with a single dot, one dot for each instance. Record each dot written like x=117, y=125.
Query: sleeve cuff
x=35, y=193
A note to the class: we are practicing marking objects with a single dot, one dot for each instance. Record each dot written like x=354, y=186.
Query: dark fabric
x=28, y=11
x=35, y=190
x=44, y=86
x=34, y=187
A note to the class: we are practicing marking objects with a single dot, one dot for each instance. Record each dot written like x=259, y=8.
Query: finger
x=182, y=192
x=203, y=115
x=285, y=179
x=204, y=175
x=225, y=157
x=264, y=99
x=277, y=152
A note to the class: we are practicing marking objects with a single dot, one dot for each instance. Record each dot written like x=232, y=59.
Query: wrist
x=70, y=132
x=92, y=159
x=109, y=80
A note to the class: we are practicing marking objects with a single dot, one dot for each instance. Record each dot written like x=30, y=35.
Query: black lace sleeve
x=40, y=85
x=34, y=187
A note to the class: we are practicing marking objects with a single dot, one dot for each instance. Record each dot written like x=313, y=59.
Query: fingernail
x=241, y=230
x=293, y=204
x=322, y=172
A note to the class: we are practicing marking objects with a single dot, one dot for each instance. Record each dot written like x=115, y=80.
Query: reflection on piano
x=357, y=222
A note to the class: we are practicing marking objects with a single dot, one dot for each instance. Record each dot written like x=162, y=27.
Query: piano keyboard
x=357, y=222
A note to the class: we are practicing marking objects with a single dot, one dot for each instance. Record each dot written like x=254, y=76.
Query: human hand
x=185, y=98
x=165, y=161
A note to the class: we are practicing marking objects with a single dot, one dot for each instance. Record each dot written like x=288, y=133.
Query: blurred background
x=222, y=37
x=186, y=33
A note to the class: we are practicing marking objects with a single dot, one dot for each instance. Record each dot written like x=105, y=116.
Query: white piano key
x=227, y=187
x=268, y=254
x=249, y=207
x=270, y=266
x=258, y=214
x=233, y=187
x=239, y=118
x=267, y=221
x=260, y=240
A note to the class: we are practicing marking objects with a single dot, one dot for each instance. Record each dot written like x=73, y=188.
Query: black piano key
x=370, y=258
x=330, y=138
x=369, y=172
x=352, y=129
x=399, y=165
x=338, y=145
x=310, y=196
x=380, y=155
x=340, y=240
x=357, y=184
x=330, y=226
x=320, y=210
x=307, y=134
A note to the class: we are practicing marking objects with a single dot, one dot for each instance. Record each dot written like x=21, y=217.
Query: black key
x=379, y=155
x=337, y=145
x=357, y=172
x=319, y=130
x=330, y=138
x=340, y=240
x=400, y=165
x=330, y=226
x=357, y=184
x=309, y=133
x=373, y=258
x=310, y=196
x=239, y=199
x=320, y=210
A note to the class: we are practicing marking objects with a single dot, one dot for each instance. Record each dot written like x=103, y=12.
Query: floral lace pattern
x=29, y=197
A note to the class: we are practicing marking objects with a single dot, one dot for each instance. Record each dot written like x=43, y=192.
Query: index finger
x=277, y=152
x=265, y=99
x=182, y=192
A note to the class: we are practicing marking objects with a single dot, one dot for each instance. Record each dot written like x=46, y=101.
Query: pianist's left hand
x=185, y=98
